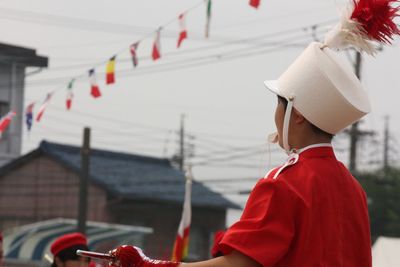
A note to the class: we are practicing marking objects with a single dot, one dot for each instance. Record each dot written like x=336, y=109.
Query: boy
x=310, y=211
x=64, y=251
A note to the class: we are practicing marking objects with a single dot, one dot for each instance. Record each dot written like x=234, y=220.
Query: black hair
x=313, y=127
x=69, y=254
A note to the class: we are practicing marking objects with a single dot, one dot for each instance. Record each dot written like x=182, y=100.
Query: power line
x=211, y=159
x=232, y=41
x=183, y=64
x=215, y=57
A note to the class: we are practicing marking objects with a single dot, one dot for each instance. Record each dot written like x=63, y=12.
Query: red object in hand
x=130, y=256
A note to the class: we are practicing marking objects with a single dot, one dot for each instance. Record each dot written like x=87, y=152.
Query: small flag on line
x=133, y=48
x=110, y=71
x=5, y=121
x=94, y=88
x=183, y=32
x=29, y=115
x=43, y=107
x=70, y=94
x=156, y=54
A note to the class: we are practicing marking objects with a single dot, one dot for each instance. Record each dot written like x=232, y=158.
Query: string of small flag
x=156, y=54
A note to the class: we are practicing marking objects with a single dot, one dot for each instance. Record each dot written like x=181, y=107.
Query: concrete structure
x=13, y=62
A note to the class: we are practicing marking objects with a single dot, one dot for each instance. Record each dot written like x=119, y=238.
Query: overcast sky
x=217, y=82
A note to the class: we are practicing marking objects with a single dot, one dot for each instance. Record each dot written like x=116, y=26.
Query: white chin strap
x=286, y=120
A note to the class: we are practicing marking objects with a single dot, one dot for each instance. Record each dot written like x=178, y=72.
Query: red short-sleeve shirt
x=313, y=214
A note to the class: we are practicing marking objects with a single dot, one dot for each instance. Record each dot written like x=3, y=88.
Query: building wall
x=12, y=92
x=43, y=189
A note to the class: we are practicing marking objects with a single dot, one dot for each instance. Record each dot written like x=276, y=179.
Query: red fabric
x=110, y=78
x=181, y=245
x=182, y=36
x=254, y=3
x=314, y=214
x=5, y=121
x=95, y=91
x=217, y=238
x=67, y=241
x=68, y=103
x=156, y=53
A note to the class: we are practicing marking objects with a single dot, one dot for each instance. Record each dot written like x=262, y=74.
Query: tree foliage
x=383, y=191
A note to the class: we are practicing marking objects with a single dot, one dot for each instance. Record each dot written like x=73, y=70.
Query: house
x=123, y=188
x=14, y=60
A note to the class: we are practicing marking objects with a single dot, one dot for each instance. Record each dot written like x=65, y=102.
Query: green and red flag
x=70, y=94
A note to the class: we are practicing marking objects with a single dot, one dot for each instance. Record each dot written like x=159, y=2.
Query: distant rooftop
x=21, y=55
x=129, y=176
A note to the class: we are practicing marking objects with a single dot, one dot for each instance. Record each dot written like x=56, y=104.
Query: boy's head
x=64, y=251
x=301, y=131
x=321, y=93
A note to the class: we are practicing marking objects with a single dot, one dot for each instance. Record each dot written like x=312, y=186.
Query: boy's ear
x=297, y=117
x=57, y=261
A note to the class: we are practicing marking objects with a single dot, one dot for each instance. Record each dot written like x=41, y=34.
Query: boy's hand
x=130, y=256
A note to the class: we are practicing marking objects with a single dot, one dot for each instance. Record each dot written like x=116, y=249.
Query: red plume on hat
x=364, y=22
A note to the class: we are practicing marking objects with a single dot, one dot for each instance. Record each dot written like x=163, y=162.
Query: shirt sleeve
x=267, y=225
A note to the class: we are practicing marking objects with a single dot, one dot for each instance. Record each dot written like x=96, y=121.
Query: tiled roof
x=136, y=177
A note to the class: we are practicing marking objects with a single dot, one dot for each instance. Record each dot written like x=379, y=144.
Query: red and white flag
x=133, y=49
x=94, y=88
x=156, y=54
x=181, y=245
x=5, y=121
x=68, y=102
x=254, y=3
x=183, y=32
x=43, y=106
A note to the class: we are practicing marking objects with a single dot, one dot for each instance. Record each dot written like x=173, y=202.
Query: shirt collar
x=317, y=150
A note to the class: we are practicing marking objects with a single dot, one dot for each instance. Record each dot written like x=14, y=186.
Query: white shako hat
x=320, y=84
x=323, y=88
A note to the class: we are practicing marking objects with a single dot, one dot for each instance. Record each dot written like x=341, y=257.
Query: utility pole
x=182, y=144
x=83, y=185
x=354, y=132
x=386, y=145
